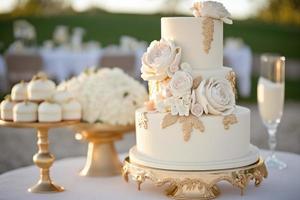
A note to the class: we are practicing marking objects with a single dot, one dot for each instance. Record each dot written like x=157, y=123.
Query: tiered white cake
x=191, y=121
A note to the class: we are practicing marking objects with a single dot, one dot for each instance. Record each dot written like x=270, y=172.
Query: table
x=62, y=63
x=279, y=185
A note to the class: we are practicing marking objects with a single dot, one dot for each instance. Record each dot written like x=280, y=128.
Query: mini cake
x=25, y=112
x=19, y=92
x=71, y=110
x=40, y=88
x=7, y=109
x=61, y=96
x=49, y=112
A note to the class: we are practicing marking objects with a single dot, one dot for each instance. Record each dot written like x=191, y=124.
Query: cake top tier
x=197, y=41
x=200, y=37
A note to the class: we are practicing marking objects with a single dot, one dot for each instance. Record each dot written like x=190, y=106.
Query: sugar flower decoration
x=211, y=9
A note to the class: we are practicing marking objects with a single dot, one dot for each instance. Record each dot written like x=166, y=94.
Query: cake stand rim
x=257, y=163
x=13, y=124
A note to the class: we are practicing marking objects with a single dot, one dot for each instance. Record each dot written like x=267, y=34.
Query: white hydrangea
x=107, y=95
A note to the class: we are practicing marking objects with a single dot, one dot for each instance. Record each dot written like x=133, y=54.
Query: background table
x=13, y=185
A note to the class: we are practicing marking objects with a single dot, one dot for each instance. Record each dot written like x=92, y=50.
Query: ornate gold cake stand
x=102, y=158
x=195, y=184
x=43, y=158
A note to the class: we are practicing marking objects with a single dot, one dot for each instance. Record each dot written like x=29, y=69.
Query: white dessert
x=49, y=112
x=19, y=92
x=61, y=96
x=25, y=112
x=40, y=88
x=192, y=121
x=71, y=110
x=7, y=106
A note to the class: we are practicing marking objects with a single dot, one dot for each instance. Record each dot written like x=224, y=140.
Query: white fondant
x=49, y=112
x=19, y=92
x=40, y=89
x=186, y=32
x=219, y=73
x=7, y=110
x=25, y=112
x=213, y=145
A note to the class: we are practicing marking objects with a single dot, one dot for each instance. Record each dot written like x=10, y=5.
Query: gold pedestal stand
x=195, y=184
x=43, y=158
x=102, y=158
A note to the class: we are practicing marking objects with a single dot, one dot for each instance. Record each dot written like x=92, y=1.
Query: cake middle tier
x=216, y=144
x=192, y=34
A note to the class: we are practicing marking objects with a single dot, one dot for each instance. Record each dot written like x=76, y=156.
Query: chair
x=127, y=62
x=22, y=67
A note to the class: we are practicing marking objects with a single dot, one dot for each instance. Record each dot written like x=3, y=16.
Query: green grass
x=107, y=28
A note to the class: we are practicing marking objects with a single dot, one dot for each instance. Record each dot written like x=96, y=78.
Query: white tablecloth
x=61, y=63
x=13, y=185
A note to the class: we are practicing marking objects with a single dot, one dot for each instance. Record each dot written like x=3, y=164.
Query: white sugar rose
x=216, y=96
x=162, y=59
x=181, y=83
x=211, y=9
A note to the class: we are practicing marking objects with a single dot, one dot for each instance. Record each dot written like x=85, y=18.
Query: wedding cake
x=191, y=121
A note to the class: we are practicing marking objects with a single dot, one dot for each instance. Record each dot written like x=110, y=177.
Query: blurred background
x=64, y=37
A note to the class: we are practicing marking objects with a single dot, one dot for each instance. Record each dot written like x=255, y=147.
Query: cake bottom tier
x=214, y=148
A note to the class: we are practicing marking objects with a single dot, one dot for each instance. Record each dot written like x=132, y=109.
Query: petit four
x=25, y=112
x=49, y=112
x=19, y=91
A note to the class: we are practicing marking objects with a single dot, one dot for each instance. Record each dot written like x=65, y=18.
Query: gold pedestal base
x=43, y=158
x=45, y=187
x=195, y=184
x=102, y=158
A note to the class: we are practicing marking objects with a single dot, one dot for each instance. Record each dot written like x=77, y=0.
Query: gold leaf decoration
x=196, y=82
x=169, y=120
x=187, y=128
x=208, y=33
x=229, y=120
x=143, y=120
x=232, y=79
x=188, y=123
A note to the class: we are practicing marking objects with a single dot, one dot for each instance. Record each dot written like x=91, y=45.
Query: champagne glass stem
x=272, y=140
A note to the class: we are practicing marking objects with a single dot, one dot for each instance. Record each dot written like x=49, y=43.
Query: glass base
x=273, y=162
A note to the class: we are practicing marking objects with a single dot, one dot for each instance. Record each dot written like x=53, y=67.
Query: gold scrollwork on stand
x=195, y=184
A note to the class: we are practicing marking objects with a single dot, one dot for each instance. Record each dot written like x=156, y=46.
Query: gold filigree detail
x=143, y=120
x=231, y=77
x=208, y=33
x=188, y=123
x=196, y=184
x=229, y=120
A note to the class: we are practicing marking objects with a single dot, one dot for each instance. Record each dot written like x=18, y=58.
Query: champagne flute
x=270, y=96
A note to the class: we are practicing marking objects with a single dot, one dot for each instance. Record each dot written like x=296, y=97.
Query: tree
x=40, y=7
x=281, y=11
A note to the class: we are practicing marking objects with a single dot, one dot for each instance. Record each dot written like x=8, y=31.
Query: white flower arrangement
x=107, y=95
